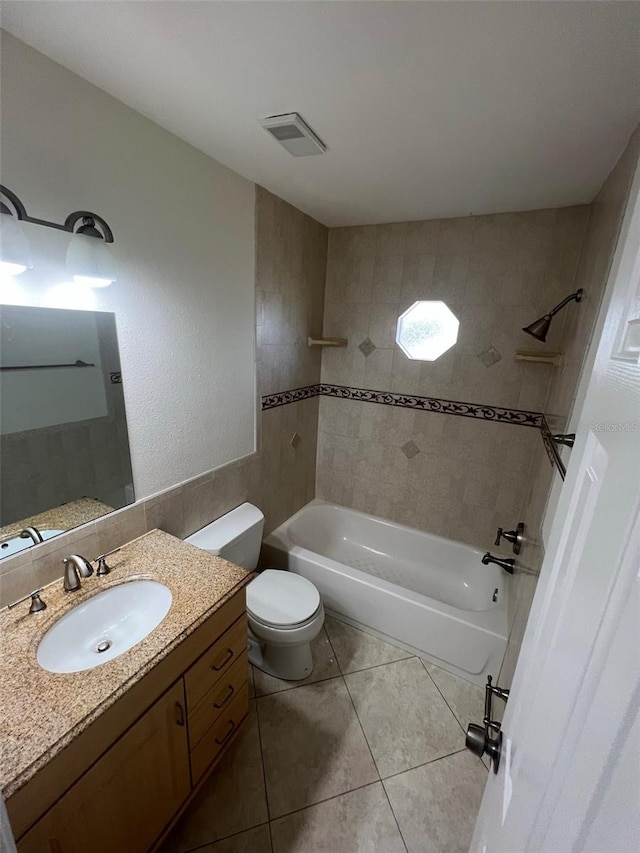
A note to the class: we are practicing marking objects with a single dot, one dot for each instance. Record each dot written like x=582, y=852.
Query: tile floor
x=365, y=756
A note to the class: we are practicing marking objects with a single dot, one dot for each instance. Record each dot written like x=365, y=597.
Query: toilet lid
x=281, y=598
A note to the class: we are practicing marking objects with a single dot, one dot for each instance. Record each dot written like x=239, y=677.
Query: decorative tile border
x=272, y=401
x=479, y=411
x=434, y=404
x=552, y=448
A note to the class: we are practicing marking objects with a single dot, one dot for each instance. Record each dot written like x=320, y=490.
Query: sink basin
x=16, y=544
x=104, y=626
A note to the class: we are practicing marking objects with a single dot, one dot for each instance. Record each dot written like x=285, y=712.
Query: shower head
x=540, y=328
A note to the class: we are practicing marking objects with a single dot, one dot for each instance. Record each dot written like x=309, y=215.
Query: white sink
x=16, y=544
x=104, y=626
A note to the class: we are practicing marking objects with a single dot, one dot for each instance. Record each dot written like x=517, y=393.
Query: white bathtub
x=430, y=595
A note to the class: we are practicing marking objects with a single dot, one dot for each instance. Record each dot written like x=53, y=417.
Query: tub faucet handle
x=507, y=564
x=515, y=537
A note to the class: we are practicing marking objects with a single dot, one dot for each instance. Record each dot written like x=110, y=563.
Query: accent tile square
x=367, y=347
x=410, y=449
x=490, y=356
x=295, y=441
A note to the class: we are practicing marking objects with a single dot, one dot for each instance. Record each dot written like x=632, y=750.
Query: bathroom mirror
x=63, y=430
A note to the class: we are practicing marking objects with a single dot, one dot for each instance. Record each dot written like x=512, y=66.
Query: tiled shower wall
x=607, y=212
x=280, y=478
x=497, y=273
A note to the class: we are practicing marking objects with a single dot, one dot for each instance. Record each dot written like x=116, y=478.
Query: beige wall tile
x=16, y=577
x=115, y=529
x=166, y=512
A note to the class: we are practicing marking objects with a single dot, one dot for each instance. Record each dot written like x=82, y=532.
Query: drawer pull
x=179, y=714
x=220, y=741
x=227, y=657
x=226, y=698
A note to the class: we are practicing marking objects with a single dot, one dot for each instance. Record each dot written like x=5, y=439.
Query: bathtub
x=427, y=594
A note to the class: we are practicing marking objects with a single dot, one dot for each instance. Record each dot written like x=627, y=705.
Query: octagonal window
x=427, y=330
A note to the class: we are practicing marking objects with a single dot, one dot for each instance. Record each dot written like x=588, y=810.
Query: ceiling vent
x=294, y=134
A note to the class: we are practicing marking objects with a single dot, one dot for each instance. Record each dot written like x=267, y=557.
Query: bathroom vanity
x=106, y=759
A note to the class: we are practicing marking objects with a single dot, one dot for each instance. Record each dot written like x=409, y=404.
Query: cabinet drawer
x=218, y=699
x=215, y=662
x=219, y=734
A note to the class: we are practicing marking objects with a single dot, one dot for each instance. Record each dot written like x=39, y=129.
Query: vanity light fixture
x=15, y=251
x=88, y=258
x=540, y=328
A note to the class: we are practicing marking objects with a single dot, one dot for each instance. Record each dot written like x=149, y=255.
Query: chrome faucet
x=507, y=564
x=75, y=567
x=32, y=533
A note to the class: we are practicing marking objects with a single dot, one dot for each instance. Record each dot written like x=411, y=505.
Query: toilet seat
x=283, y=600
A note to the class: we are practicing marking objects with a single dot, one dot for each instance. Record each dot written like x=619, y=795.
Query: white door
x=569, y=778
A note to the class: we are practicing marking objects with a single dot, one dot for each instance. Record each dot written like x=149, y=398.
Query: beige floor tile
x=324, y=666
x=466, y=700
x=405, y=719
x=358, y=822
x=436, y=805
x=256, y=840
x=313, y=746
x=232, y=799
x=357, y=650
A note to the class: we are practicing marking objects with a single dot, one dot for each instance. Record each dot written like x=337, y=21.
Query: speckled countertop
x=62, y=517
x=42, y=711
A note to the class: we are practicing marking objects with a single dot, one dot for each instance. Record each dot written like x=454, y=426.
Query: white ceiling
x=428, y=109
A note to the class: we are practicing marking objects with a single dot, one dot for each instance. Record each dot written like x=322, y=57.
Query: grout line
x=423, y=764
x=364, y=734
x=296, y=686
x=406, y=846
x=378, y=665
x=333, y=650
x=225, y=837
x=433, y=681
x=327, y=799
x=264, y=773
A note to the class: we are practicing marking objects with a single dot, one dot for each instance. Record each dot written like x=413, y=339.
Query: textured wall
x=184, y=240
x=496, y=273
x=599, y=246
x=280, y=477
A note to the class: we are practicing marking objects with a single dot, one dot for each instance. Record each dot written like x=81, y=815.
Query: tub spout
x=506, y=564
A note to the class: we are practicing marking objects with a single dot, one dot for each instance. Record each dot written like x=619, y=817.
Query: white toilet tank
x=236, y=536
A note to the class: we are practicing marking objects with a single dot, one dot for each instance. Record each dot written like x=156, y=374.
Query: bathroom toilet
x=284, y=610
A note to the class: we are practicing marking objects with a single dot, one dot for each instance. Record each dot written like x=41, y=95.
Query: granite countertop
x=62, y=517
x=43, y=711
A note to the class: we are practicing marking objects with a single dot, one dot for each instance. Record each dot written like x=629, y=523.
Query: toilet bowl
x=285, y=614
x=284, y=610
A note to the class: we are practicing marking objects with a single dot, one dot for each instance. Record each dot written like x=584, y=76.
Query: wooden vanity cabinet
x=131, y=794
x=123, y=802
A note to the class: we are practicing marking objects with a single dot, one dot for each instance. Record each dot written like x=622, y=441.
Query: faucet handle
x=37, y=604
x=515, y=537
x=103, y=568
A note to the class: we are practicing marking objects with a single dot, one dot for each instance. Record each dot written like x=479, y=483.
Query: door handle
x=487, y=738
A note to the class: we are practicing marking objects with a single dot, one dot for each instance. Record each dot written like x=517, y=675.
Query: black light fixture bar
x=87, y=218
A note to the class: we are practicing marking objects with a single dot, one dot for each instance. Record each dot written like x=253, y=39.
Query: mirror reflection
x=63, y=427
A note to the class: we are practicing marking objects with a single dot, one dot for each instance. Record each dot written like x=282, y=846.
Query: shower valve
x=515, y=537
